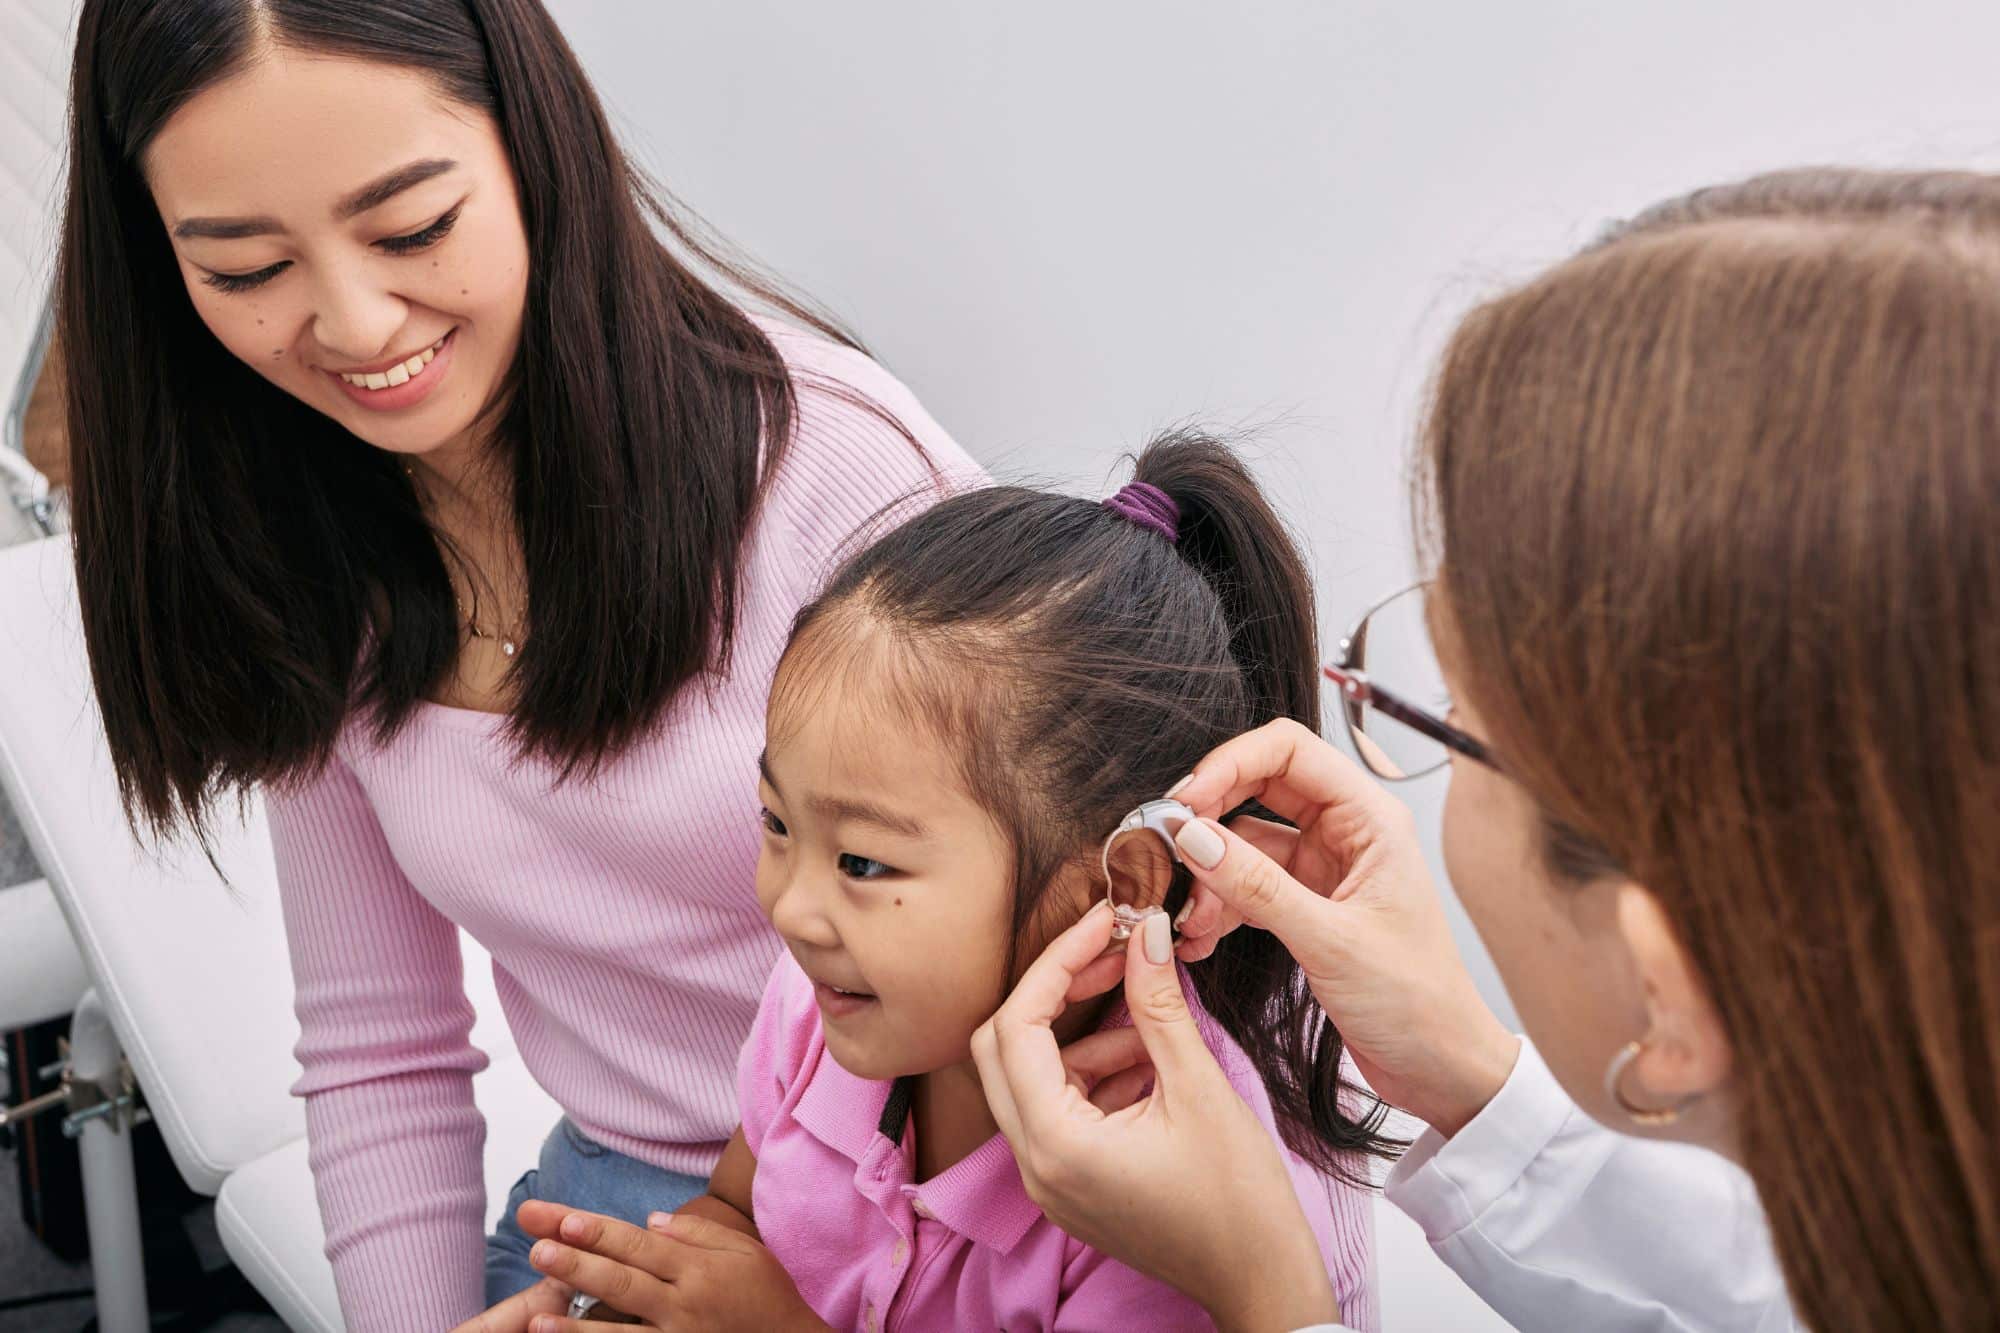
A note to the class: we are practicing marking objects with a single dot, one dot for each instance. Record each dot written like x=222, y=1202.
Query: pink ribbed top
x=628, y=950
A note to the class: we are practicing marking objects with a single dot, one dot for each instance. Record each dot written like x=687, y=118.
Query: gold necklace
x=509, y=640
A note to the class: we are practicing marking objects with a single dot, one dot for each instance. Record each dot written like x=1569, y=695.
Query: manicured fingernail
x=1178, y=787
x=544, y=1253
x=1159, y=934
x=1187, y=910
x=1202, y=844
x=658, y=1221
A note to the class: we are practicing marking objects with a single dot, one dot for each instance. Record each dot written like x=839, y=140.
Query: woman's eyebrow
x=372, y=195
x=386, y=187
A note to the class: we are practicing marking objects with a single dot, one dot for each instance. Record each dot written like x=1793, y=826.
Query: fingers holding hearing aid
x=1351, y=897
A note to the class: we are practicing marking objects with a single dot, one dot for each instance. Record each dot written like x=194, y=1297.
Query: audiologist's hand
x=1134, y=1142
x=1348, y=893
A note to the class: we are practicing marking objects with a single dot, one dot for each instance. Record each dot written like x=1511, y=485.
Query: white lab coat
x=1558, y=1223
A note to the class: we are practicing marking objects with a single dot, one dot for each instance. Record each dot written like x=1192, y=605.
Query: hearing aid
x=1139, y=854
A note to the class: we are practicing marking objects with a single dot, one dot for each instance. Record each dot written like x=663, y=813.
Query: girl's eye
x=420, y=240
x=772, y=824
x=243, y=282
x=861, y=867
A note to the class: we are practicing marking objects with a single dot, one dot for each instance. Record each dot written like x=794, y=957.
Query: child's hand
x=684, y=1272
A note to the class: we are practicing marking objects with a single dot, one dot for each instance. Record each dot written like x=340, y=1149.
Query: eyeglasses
x=1398, y=729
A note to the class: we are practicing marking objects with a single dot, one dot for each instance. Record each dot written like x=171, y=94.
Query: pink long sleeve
x=620, y=911
x=384, y=1025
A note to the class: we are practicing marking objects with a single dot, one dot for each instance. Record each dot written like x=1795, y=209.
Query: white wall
x=1066, y=224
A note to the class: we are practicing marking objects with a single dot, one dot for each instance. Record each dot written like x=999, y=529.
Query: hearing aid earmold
x=1125, y=920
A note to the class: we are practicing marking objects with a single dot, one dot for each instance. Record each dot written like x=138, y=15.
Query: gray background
x=1068, y=224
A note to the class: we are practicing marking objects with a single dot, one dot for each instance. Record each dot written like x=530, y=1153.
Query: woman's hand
x=680, y=1272
x=1134, y=1142
x=517, y=1313
x=1350, y=896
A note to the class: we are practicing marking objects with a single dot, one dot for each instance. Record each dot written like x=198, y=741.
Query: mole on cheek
x=277, y=352
x=899, y=902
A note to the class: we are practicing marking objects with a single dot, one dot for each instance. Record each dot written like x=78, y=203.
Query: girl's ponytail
x=1228, y=532
x=1232, y=536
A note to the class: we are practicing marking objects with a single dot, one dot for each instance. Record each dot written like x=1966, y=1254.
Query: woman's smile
x=395, y=384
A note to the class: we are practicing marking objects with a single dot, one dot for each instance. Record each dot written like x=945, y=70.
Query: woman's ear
x=1685, y=1054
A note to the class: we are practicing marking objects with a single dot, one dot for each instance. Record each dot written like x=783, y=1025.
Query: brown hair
x=1745, y=649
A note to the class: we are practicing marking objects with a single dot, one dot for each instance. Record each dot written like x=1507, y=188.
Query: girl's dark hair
x=242, y=559
x=1084, y=663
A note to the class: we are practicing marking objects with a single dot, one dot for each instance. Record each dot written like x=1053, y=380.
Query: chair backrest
x=193, y=971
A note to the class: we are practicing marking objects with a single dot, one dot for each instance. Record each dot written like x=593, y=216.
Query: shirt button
x=871, y=1318
x=922, y=1209
x=900, y=1253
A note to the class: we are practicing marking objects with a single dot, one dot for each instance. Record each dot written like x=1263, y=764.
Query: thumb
x=1160, y=1009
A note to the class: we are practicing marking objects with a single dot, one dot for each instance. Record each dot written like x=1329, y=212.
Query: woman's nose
x=357, y=321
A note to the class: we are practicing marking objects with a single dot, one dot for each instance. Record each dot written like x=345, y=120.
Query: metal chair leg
x=102, y=1121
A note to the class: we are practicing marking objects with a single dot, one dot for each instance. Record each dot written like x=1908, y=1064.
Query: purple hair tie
x=1148, y=506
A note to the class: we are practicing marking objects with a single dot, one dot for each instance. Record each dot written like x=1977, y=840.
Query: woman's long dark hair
x=1085, y=663
x=250, y=573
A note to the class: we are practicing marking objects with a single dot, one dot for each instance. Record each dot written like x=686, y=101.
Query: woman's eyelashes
x=407, y=244
x=423, y=238
x=243, y=282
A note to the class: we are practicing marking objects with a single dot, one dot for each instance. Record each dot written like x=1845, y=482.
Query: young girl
x=955, y=726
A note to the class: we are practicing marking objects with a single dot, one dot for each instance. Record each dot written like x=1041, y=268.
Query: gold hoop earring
x=1614, y=1077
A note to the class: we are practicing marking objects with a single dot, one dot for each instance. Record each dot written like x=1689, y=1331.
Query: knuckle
x=1163, y=1004
x=1260, y=883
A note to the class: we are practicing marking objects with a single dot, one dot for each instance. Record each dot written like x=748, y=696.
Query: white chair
x=192, y=973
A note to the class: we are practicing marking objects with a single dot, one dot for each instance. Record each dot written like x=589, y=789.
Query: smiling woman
x=416, y=481
x=350, y=300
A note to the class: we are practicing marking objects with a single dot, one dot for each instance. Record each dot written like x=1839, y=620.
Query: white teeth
x=398, y=374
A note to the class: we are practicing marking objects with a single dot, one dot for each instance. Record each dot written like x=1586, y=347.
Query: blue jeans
x=578, y=1171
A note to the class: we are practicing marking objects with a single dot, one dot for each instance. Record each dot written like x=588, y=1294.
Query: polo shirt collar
x=981, y=1197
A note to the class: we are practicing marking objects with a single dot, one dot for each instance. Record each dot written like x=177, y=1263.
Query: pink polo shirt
x=836, y=1200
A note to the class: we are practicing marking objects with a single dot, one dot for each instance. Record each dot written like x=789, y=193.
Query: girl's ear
x=1140, y=867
